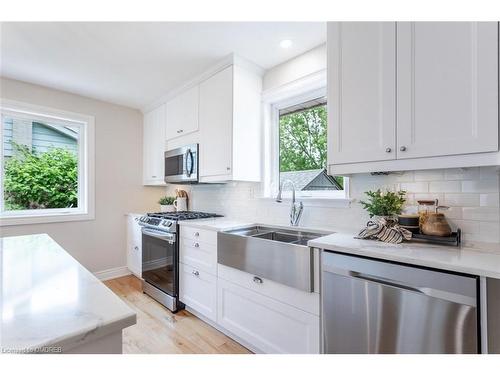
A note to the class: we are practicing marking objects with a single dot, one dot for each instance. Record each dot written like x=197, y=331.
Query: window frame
x=302, y=91
x=86, y=165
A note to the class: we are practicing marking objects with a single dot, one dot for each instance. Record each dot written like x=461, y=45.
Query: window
x=45, y=165
x=298, y=147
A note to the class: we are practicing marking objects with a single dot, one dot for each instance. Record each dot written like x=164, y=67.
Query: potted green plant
x=384, y=204
x=167, y=204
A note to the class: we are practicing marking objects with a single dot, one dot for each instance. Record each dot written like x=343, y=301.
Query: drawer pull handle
x=197, y=234
x=257, y=280
x=196, y=244
x=196, y=273
x=136, y=248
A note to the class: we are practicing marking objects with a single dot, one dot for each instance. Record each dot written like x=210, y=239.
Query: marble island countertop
x=470, y=259
x=48, y=299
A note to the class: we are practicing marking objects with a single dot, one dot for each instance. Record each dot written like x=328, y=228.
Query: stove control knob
x=169, y=224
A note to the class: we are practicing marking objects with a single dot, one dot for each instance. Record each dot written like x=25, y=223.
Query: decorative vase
x=167, y=208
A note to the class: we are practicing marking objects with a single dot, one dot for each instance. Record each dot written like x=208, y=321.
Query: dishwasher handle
x=429, y=292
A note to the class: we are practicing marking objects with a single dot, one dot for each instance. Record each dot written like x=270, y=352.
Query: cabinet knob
x=257, y=280
x=402, y=148
x=136, y=248
x=388, y=149
x=197, y=234
x=153, y=176
x=196, y=273
x=179, y=131
x=228, y=168
x=196, y=244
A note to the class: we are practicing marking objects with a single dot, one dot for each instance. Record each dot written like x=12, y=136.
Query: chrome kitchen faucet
x=296, y=208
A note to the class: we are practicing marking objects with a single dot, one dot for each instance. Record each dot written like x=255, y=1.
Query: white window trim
x=86, y=167
x=302, y=90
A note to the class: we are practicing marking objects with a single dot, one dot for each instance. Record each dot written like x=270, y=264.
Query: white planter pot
x=167, y=208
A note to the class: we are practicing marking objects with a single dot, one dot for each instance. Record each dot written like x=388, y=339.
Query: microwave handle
x=189, y=154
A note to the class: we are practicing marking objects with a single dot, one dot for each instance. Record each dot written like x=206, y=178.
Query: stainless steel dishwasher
x=372, y=306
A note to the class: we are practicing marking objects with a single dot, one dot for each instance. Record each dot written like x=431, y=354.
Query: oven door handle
x=162, y=236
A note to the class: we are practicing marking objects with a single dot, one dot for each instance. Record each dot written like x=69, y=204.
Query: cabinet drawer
x=266, y=324
x=308, y=302
x=200, y=235
x=199, y=255
x=198, y=290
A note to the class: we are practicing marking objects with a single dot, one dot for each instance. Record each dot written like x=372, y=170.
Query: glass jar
x=426, y=207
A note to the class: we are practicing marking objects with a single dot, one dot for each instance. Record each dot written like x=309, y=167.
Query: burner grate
x=183, y=215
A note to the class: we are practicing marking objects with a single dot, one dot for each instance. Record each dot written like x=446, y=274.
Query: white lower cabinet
x=197, y=289
x=265, y=323
x=134, y=245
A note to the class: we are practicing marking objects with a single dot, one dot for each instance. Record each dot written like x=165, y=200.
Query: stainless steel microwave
x=181, y=165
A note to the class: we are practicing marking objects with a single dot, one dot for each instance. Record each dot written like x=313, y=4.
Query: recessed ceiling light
x=286, y=43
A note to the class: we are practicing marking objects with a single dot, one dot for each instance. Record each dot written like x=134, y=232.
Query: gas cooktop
x=182, y=215
x=167, y=221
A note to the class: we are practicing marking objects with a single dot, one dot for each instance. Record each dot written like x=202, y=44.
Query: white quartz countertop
x=48, y=299
x=473, y=260
x=218, y=223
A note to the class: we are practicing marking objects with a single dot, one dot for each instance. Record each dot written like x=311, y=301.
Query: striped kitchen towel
x=380, y=230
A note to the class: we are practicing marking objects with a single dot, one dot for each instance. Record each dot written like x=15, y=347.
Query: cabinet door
x=182, y=113
x=198, y=290
x=361, y=91
x=216, y=122
x=447, y=88
x=134, y=245
x=154, y=146
x=266, y=324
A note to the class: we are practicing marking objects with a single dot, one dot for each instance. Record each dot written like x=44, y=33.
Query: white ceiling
x=135, y=63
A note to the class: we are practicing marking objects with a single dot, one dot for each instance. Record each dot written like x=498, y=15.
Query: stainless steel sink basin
x=273, y=253
x=278, y=234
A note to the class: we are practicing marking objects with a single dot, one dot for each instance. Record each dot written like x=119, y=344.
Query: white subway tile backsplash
x=472, y=193
x=480, y=186
x=429, y=175
x=489, y=232
x=481, y=213
x=461, y=199
x=461, y=174
x=445, y=186
x=415, y=187
x=489, y=200
x=487, y=173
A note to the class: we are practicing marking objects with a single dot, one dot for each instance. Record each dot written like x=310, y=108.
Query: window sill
x=315, y=201
x=12, y=219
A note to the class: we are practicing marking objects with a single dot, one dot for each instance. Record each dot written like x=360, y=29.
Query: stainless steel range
x=160, y=254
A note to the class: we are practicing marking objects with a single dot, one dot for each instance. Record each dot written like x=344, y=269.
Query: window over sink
x=46, y=165
x=297, y=147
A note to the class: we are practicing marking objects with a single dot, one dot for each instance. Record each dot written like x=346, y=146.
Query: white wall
x=309, y=62
x=473, y=193
x=98, y=244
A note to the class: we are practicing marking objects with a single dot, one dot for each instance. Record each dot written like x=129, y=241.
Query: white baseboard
x=112, y=273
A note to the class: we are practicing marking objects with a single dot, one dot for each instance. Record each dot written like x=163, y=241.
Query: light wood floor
x=159, y=331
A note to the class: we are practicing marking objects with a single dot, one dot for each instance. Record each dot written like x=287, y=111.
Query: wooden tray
x=453, y=240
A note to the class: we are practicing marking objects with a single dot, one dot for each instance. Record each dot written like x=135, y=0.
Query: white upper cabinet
x=230, y=126
x=447, y=88
x=182, y=113
x=216, y=123
x=361, y=91
x=154, y=146
x=412, y=95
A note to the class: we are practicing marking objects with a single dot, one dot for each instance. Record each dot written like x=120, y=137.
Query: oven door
x=181, y=164
x=160, y=261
